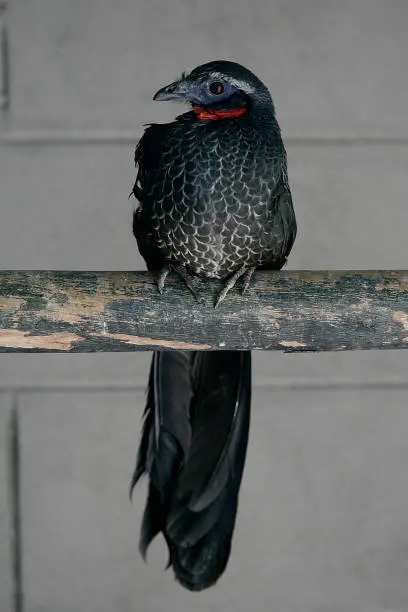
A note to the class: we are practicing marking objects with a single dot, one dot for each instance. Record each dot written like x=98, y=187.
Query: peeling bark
x=123, y=311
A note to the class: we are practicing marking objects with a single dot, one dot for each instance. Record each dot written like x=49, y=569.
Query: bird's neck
x=235, y=106
x=206, y=112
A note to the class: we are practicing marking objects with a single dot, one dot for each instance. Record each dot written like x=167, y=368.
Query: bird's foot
x=247, y=279
x=245, y=273
x=161, y=278
x=192, y=282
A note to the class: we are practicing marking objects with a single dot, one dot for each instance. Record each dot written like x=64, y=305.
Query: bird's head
x=219, y=86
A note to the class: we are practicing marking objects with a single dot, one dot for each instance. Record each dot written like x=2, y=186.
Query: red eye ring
x=216, y=88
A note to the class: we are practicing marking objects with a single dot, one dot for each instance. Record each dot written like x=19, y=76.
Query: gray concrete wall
x=322, y=524
x=6, y=512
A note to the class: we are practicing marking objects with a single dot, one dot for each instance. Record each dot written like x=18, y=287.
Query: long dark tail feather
x=193, y=448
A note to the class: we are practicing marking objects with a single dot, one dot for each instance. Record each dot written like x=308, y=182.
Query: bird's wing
x=147, y=163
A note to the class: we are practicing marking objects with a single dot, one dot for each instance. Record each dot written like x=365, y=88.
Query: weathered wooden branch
x=123, y=311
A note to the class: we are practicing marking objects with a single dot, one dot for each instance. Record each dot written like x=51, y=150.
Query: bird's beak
x=175, y=91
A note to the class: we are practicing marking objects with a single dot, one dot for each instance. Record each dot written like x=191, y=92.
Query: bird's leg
x=192, y=282
x=161, y=277
x=230, y=283
x=247, y=279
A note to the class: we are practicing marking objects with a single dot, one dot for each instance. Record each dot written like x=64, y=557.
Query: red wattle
x=203, y=112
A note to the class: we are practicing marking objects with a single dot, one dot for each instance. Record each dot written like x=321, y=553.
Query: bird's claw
x=192, y=282
x=247, y=279
x=246, y=273
x=161, y=278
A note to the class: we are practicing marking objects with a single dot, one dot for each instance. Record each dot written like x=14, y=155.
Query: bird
x=213, y=202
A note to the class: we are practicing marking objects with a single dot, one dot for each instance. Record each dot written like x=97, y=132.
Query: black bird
x=214, y=203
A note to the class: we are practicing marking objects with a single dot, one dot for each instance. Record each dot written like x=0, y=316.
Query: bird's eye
x=216, y=88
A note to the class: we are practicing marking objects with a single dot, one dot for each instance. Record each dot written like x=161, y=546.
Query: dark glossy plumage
x=214, y=195
x=214, y=202
x=193, y=447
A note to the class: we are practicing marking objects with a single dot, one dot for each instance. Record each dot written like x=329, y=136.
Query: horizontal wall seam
x=261, y=384
x=129, y=137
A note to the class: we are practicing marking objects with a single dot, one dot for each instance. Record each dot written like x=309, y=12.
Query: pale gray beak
x=175, y=91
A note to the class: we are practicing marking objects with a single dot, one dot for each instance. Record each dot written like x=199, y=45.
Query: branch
x=123, y=311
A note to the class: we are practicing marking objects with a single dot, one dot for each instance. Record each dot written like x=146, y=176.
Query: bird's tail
x=193, y=448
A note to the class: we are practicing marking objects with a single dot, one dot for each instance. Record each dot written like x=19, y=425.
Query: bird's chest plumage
x=209, y=196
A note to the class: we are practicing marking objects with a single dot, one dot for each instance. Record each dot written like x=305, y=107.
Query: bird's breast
x=211, y=201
